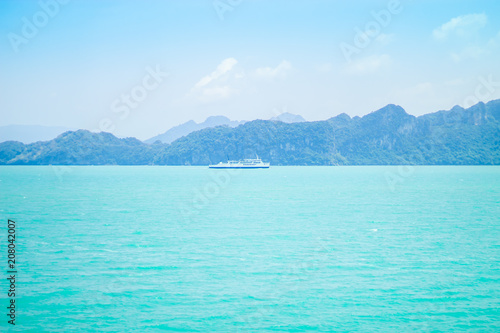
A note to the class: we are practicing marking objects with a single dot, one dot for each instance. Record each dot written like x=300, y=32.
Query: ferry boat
x=248, y=163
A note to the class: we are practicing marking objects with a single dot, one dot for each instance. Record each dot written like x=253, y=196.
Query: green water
x=290, y=249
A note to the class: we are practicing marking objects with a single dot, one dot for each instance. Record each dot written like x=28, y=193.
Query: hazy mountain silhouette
x=188, y=127
x=191, y=126
x=386, y=136
x=289, y=118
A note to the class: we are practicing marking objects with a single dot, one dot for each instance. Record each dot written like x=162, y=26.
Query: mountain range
x=33, y=133
x=191, y=126
x=388, y=136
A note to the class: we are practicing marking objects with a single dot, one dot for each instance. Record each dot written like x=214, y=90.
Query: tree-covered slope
x=386, y=136
x=78, y=148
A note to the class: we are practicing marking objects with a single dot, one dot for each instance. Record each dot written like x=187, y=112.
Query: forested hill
x=386, y=136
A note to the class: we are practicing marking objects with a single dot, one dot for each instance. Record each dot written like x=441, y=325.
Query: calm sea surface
x=290, y=249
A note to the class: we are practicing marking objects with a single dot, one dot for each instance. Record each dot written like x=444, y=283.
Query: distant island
x=388, y=136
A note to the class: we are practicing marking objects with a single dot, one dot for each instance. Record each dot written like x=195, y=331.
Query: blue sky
x=91, y=64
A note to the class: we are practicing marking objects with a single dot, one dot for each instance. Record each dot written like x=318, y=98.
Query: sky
x=137, y=68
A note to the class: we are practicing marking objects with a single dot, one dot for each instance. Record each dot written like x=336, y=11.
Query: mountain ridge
x=190, y=126
x=388, y=135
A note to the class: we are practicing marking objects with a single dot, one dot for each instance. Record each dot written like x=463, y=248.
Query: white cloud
x=461, y=26
x=369, y=64
x=209, y=89
x=280, y=70
x=225, y=66
x=471, y=52
x=478, y=51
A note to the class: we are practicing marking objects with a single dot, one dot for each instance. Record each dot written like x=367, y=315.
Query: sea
x=284, y=249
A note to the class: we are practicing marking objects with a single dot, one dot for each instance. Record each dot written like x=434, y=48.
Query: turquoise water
x=290, y=249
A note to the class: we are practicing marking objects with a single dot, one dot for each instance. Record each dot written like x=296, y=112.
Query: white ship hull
x=243, y=164
x=263, y=166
